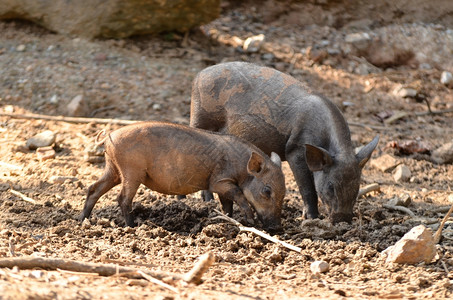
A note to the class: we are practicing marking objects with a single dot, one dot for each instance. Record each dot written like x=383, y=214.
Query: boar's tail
x=101, y=134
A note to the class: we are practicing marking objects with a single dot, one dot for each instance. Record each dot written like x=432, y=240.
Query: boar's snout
x=341, y=217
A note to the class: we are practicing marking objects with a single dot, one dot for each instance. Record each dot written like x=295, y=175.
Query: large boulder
x=112, y=18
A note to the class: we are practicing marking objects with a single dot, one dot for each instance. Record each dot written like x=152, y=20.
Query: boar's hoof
x=341, y=217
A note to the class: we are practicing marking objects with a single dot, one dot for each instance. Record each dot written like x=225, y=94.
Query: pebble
x=43, y=139
x=443, y=154
x=36, y=274
x=360, y=40
x=54, y=99
x=402, y=173
x=21, y=48
x=319, y=266
x=403, y=200
x=157, y=106
x=62, y=179
x=384, y=163
x=414, y=247
x=45, y=153
x=253, y=43
x=405, y=92
x=86, y=224
x=446, y=78
x=77, y=107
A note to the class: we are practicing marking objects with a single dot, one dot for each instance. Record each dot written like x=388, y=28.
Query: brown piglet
x=177, y=160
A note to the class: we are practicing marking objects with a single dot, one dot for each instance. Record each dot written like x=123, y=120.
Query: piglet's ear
x=317, y=158
x=255, y=164
x=276, y=159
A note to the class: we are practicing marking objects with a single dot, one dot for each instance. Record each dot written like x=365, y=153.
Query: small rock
x=319, y=266
x=54, y=99
x=62, y=179
x=402, y=173
x=36, y=274
x=403, y=200
x=384, y=163
x=253, y=43
x=157, y=106
x=20, y=48
x=444, y=154
x=275, y=256
x=43, y=139
x=86, y=224
x=45, y=153
x=446, y=78
x=77, y=107
x=414, y=247
x=137, y=282
x=360, y=40
x=405, y=92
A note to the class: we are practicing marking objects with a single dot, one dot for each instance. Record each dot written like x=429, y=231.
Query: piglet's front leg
x=229, y=192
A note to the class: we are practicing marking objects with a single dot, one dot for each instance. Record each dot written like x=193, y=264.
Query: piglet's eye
x=266, y=191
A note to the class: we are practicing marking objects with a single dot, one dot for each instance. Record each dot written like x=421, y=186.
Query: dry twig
x=368, y=127
x=68, y=119
x=399, y=208
x=439, y=230
x=157, y=281
x=23, y=197
x=256, y=231
x=193, y=276
x=203, y=264
x=368, y=189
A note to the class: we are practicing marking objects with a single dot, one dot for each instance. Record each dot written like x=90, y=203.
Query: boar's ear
x=365, y=153
x=276, y=159
x=317, y=158
x=255, y=164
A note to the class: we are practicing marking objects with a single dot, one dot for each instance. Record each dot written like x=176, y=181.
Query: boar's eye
x=266, y=191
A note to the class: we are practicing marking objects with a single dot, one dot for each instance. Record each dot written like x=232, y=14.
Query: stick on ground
x=203, y=264
x=68, y=119
x=256, y=231
x=23, y=197
x=193, y=276
x=158, y=282
x=399, y=208
x=439, y=230
x=368, y=189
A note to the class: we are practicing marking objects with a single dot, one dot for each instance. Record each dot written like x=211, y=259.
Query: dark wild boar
x=279, y=114
x=176, y=159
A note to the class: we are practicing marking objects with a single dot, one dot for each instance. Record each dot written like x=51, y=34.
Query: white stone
x=446, y=78
x=404, y=92
x=402, y=173
x=319, y=266
x=444, y=154
x=77, y=107
x=414, y=247
x=384, y=163
x=360, y=40
x=253, y=43
x=43, y=139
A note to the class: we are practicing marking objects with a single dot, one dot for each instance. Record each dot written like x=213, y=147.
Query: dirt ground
x=149, y=78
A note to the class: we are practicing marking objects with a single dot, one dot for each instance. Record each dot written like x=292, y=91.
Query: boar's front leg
x=229, y=192
x=306, y=184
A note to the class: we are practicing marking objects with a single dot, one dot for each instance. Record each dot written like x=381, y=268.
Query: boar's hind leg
x=99, y=188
